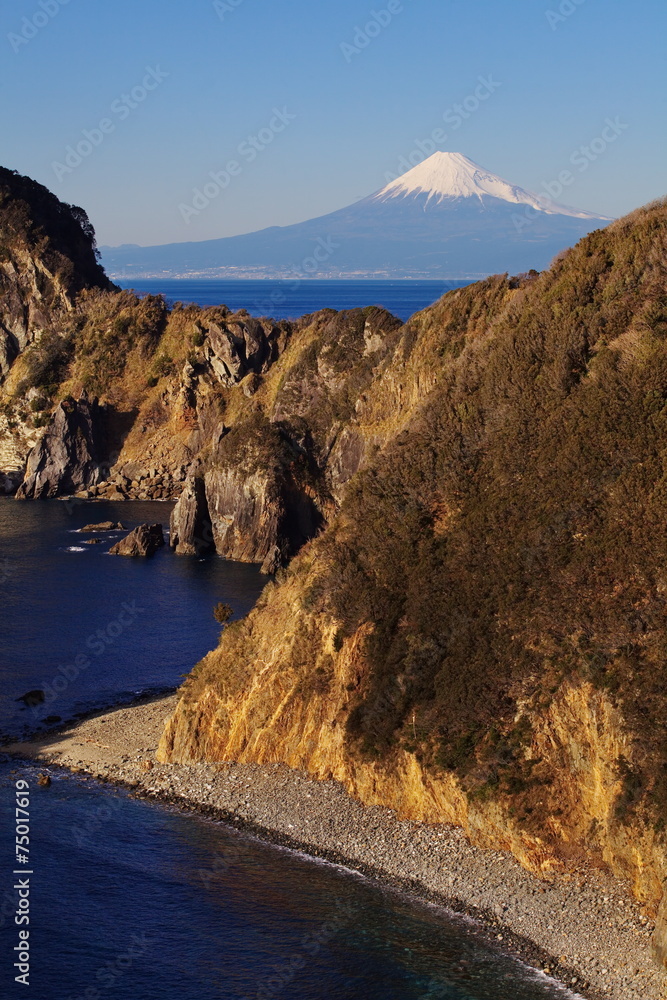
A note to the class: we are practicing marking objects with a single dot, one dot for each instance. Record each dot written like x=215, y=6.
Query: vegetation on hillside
x=61, y=235
x=514, y=534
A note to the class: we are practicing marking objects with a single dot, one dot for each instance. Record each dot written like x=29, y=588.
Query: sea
x=134, y=900
x=291, y=298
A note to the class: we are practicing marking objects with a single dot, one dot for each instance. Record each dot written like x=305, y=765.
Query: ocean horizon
x=286, y=298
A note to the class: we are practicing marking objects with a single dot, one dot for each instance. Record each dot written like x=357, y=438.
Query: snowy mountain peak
x=452, y=175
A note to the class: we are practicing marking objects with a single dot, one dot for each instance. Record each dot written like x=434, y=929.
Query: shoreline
x=582, y=928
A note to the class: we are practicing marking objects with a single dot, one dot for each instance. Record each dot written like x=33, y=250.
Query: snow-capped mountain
x=447, y=176
x=445, y=218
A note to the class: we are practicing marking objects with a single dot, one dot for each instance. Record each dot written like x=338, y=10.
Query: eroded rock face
x=261, y=517
x=69, y=455
x=30, y=297
x=190, y=525
x=243, y=346
x=142, y=541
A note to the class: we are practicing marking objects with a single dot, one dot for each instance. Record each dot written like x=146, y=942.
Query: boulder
x=103, y=526
x=142, y=541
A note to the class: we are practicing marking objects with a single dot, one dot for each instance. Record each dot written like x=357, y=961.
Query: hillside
x=478, y=635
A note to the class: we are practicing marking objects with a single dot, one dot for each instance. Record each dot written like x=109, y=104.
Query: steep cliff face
x=47, y=258
x=269, y=480
x=478, y=634
x=69, y=456
x=282, y=687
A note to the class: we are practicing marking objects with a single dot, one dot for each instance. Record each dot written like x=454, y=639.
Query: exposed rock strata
x=69, y=457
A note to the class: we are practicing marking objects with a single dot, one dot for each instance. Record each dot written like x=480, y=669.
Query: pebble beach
x=582, y=928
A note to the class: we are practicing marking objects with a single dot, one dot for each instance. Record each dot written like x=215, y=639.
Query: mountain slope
x=478, y=636
x=47, y=256
x=446, y=218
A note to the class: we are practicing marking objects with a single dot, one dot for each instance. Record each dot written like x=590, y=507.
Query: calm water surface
x=133, y=901
x=291, y=299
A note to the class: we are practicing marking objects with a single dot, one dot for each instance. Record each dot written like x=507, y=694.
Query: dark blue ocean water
x=289, y=299
x=88, y=628
x=133, y=901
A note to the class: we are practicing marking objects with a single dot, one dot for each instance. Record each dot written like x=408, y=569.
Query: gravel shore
x=584, y=929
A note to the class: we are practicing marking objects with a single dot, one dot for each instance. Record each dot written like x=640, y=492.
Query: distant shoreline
x=555, y=925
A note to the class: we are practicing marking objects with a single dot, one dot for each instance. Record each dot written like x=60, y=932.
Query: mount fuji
x=445, y=218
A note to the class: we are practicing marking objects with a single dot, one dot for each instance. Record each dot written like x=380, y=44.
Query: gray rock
x=190, y=524
x=68, y=457
x=142, y=541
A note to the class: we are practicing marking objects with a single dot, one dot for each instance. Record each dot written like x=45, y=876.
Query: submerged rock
x=142, y=541
x=32, y=698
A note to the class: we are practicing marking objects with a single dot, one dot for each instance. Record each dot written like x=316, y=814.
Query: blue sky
x=352, y=104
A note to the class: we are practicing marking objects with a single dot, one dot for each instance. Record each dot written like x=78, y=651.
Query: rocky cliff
x=471, y=510
x=47, y=256
x=251, y=423
x=478, y=635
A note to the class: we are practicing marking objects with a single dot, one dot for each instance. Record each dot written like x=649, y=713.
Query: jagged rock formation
x=103, y=526
x=144, y=541
x=478, y=635
x=270, y=481
x=243, y=346
x=69, y=456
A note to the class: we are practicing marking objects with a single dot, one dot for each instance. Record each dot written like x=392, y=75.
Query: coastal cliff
x=477, y=636
x=466, y=515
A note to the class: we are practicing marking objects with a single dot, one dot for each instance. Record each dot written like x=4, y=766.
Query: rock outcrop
x=144, y=540
x=47, y=256
x=69, y=456
x=258, y=517
x=191, y=532
x=103, y=526
x=243, y=345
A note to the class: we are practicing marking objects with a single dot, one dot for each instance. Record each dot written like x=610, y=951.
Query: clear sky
x=352, y=103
